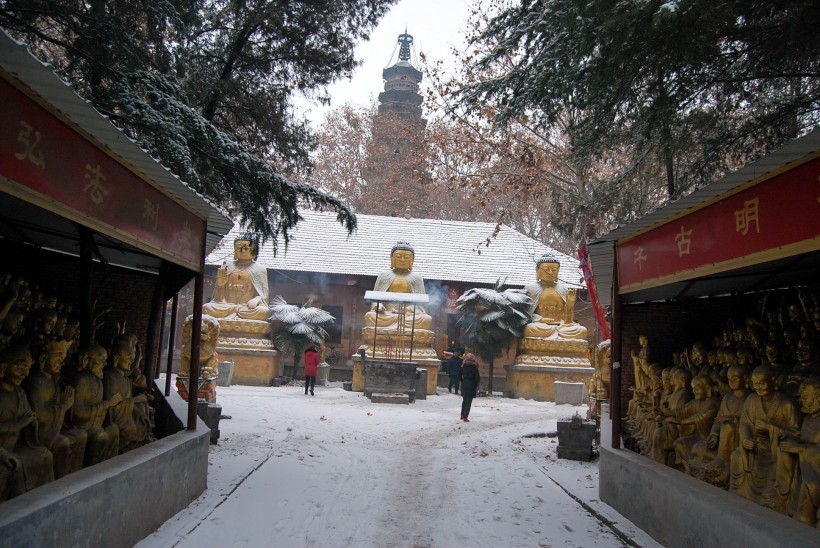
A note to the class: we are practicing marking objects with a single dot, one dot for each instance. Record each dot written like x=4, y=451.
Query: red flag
x=586, y=268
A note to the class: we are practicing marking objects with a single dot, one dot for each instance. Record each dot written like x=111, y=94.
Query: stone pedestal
x=542, y=362
x=248, y=345
x=389, y=376
x=575, y=438
x=225, y=376
x=537, y=382
x=323, y=374
x=432, y=367
x=252, y=367
x=205, y=393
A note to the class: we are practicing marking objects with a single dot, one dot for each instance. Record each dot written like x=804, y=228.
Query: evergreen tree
x=693, y=86
x=206, y=85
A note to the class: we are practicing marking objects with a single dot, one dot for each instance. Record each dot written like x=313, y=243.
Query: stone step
x=377, y=397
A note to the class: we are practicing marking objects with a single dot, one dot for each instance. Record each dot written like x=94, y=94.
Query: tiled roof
x=453, y=251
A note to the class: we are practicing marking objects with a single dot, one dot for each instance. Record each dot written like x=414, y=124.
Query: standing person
x=470, y=380
x=454, y=370
x=312, y=360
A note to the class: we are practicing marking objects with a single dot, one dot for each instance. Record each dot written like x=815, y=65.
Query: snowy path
x=335, y=470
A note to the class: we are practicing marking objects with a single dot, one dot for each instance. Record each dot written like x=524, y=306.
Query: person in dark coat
x=470, y=379
x=312, y=360
x=453, y=368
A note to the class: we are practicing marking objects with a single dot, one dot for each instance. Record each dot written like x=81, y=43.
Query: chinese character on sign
x=684, y=239
x=30, y=151
x=746, y=216
x=150, y=213
x=94, y=186
x=640, y=257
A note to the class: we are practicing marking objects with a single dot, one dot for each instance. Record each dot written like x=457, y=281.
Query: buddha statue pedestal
x=542, y=362
x=394, y=346
x=205, y=393
x=248, y=345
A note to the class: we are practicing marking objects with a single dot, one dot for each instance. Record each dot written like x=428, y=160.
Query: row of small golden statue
x=758, y=444
x=55, y=420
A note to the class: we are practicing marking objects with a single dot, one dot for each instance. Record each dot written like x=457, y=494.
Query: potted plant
x=300, y=327
x=493, y=320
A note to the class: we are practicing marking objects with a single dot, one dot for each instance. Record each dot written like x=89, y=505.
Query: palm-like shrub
x=300, y=327
x=493, y=320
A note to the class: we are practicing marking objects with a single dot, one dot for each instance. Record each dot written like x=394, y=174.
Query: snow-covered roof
x=454, y=251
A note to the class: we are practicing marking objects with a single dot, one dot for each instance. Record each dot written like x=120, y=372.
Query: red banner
x=41, y=153
x=774, y=218
x=453, y=293
x=586, y=268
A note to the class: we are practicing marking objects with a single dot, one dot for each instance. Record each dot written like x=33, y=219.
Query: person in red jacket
x=312, y=360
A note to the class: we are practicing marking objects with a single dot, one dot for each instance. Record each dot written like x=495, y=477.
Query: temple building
x=324, y=264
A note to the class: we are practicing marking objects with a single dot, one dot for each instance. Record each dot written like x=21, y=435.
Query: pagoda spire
x=405, y=42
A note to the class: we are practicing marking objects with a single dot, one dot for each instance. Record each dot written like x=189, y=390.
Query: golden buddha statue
x=208, y=358
x=242, y=286
x=760, y=470
x=399, y=279
x=20, y=447
x=552, y=338
x=694, y=420
x=395, y=324
x=553, y=304
x=90, y=410
x=134, y=425
x=712, y=456
x=663, y=435
x=807, y=447
x=50, y=401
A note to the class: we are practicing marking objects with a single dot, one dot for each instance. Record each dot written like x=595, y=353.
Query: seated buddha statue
x=806, y=446
x=26, y=463
x=242, y=286
x=553, y=304
x=50, y=400
x=760, y=470
x=91, y=410
x=399, y=279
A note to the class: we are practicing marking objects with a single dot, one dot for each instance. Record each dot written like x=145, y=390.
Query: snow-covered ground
x=337, y=470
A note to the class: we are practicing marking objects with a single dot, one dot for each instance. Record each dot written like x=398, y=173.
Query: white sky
x=436, y=26
x=336, y=470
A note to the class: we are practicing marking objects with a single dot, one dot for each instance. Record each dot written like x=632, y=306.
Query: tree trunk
x=490, y=380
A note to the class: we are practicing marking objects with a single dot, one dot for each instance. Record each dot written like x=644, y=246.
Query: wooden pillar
x=154, y=324
x=615, y=377
x=196, y=337
x=171, y=336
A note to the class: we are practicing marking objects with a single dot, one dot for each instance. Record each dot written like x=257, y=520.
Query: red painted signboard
x=45, y=155
x=777, y=217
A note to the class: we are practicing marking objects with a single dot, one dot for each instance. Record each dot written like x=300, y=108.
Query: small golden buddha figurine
x=760, y=471
x=50, y=400
x=134, y=426
x=208, y=358
x=18, y=424
x=666, y=432
x=807, y=448
x=694, y=420
x=90, y=410
x=241, y=290
x=713, y=455
x=553, y=304
x=807, y=365
x=399, y=279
